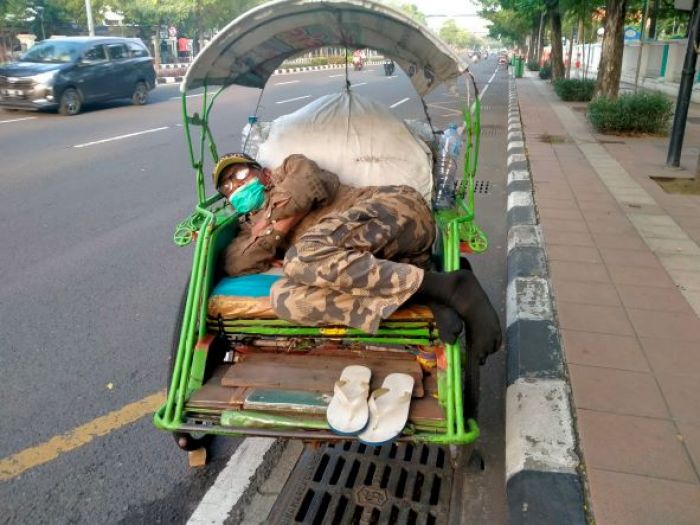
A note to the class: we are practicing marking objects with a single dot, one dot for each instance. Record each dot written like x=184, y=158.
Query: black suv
x=64, y=73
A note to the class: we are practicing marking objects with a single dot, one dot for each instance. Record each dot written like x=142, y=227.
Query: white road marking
x=232, y=482
x=212, y=93
x=483, y=92
x=16, y=120
x=392, y=76
x=358, y=84
x=333, y=76
x=120, y=137
x=287, y=82
x=292, y=99
x=399, y=102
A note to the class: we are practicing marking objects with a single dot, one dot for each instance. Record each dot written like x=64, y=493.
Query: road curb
x=543, y=483
x=283, y=71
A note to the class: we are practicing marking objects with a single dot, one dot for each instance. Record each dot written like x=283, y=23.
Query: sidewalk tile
x=687, y=280
x=625, y=242
x=617, y=391
x=578, y=271
x=682, y=393
x=671, y=325
x=652, y=298
x=634, y=445
x=553, y=214
x=593, y=318
x=681, y=262
x=586, y=292
x=622, y=499
x=602, y=350
x=586, y=254
x=671, y=356
x=691, y=438
x=567, y=238
x=611, y=224
x=563, y=225
x=652, y=277
x=630, y=257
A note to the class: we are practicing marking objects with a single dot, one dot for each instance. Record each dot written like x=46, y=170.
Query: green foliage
x=546, y=71
x=339, y=60
x=533, y=65
x=412, y=11
x=318, y=61
x=574, y=90
x=633, y=113
x=457, y=36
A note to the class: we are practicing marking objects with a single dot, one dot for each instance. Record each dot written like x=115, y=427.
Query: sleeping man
x=352, y=257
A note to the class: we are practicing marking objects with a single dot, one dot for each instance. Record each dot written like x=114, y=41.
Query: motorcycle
x=389, y=67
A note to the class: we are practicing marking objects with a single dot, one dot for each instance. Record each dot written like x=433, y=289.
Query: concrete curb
x=543, y=484
x=284, y=71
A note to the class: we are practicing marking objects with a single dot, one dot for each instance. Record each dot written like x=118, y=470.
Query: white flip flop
x=347, y=413
x=388, y=410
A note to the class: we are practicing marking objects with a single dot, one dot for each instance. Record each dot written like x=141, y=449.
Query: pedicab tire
x=184, y=440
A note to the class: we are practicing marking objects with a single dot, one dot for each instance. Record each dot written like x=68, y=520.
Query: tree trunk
x=540, y=38
x=571, y=52
x=654, y=18
x=531, y=50
x=610, y=68
x=557, y=51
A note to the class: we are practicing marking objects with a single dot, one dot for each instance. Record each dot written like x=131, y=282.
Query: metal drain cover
x=482, y=186
x=492, y=131
x=351, y=483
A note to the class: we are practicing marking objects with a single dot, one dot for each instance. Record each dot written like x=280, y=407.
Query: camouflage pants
x=356, y=267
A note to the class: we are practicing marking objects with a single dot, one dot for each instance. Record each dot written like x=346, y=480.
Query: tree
x=412, y=11
x=557, y=57
x=610, y=67
x=457, y=36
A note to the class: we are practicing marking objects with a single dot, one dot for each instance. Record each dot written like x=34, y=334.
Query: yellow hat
x=227, y=160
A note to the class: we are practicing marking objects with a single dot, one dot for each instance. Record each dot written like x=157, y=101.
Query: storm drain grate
x=482, y=186
x=492, y=131
x=351, y=483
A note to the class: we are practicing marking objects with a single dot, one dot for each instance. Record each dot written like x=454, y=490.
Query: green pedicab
x=215, y=387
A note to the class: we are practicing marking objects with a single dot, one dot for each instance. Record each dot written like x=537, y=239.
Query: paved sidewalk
x=624, y=260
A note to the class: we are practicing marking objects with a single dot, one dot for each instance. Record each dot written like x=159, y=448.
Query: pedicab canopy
x=248, y=50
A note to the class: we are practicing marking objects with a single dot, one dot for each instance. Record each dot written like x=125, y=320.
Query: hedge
x=633, y=113
x=574, y=90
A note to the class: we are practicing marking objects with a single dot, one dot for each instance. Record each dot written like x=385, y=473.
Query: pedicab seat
x=248, y=297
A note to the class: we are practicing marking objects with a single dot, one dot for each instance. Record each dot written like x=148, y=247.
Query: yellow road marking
x=28, y=458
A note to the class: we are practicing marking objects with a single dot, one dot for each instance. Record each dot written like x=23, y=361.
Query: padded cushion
x=357, y=138
x=248, y=297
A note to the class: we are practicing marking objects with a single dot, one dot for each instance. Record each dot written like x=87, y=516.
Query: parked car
x=65, y=73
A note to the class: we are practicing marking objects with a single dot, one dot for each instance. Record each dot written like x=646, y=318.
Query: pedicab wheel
x=70, y=103
x=140, y=96
x=190, y=442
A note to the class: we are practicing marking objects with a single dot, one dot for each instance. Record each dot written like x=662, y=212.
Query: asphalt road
x=90, y=280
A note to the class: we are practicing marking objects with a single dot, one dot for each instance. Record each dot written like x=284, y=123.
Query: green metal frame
x=206, y=227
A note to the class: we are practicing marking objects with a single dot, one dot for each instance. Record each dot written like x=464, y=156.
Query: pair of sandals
x=375, y=419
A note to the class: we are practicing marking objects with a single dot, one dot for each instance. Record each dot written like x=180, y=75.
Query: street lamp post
x=40, y=12
x=88, y=11
x=673, y=158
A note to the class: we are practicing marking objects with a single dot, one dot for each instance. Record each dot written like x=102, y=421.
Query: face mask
x=249, y=197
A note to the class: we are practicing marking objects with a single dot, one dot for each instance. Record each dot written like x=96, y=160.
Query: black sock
x=449, y=323
x=461, y=292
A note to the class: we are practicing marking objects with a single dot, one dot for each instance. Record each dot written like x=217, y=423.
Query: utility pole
x=673, y=159
x=88, y=12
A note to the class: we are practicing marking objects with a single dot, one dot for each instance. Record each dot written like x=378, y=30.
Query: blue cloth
x=256, y=285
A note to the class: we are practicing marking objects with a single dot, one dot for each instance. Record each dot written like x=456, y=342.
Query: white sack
x=357, y=138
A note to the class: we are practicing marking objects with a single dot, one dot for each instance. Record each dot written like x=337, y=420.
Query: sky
x=451, y=8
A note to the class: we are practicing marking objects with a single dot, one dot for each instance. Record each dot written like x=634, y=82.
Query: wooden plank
x=428, y=407
x=292, y=372
x=213, y=395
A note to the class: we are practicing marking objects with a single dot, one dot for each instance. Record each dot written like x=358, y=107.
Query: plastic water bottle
x=446, y=168
x=251, y=138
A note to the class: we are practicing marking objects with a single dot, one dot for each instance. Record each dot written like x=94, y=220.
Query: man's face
x=236, y=176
